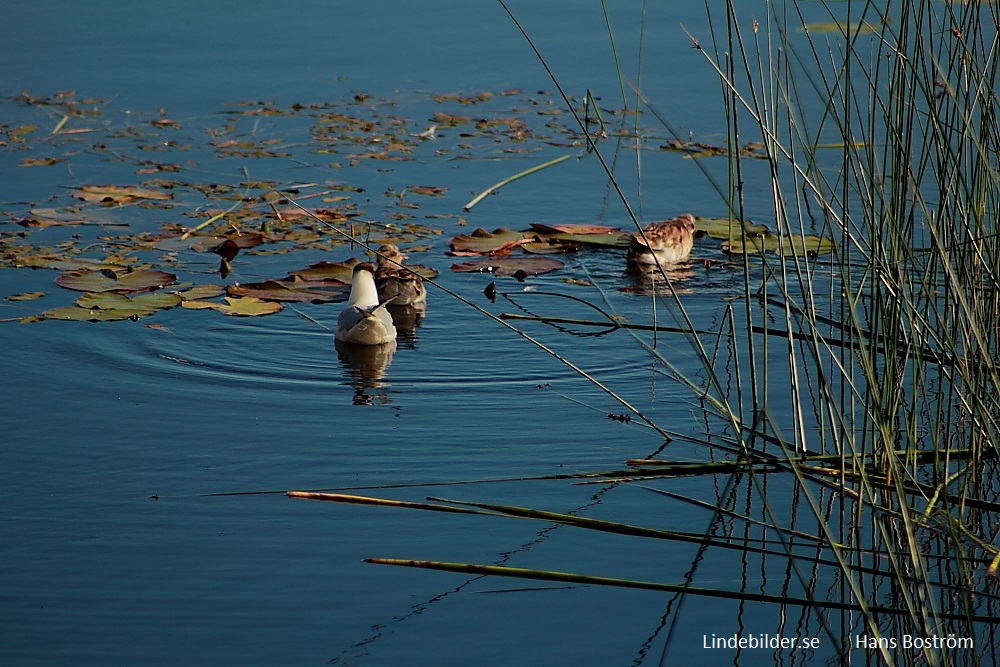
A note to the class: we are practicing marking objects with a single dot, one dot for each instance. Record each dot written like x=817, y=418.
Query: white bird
x=669, y=242
x=365, y=321
x=404, y=287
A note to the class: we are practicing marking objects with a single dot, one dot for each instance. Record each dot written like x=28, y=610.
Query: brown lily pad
x=570, y=228
x=118, y=194
x=482, y=242
x=107, y=280
x=293, y=289
x=510, y=266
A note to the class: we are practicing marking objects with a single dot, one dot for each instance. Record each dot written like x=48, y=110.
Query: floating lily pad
x=614, y=239
x=202, y=292
x=549, y=247
x=482, y=242
x=109, y=281
x=842, y=27
x=510, y=266
x=237, y=306
x=726, y=228
x=293, y=289
x=341, y=271
x=107, y=306
x=26, y=296
x=240, y=241
x=788, y=245
x=570, y=228
x=118, y=194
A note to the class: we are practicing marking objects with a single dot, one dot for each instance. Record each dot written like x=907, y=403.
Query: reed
x=884, y=136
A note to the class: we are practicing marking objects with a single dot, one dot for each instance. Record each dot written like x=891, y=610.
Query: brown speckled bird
x=669, y=242
x=397, y=285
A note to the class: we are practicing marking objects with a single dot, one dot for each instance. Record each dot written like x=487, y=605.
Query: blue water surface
x=114, y=548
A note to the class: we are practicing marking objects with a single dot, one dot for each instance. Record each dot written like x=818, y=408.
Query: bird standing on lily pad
x=365, y=321
x=666, y=242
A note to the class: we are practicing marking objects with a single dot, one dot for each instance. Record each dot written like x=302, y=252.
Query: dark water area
x=115, y=547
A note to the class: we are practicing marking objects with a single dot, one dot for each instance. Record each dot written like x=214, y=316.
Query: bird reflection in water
x=365, y=367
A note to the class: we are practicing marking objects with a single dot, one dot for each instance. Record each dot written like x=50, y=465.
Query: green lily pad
x=482, y=242
x=802, y=246
x=510, y=266
x=108, y=306
x=726, y=228
x=614, y=239
x=237, y=306
x=109, y=281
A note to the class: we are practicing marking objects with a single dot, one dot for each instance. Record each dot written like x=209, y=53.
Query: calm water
x=112, y=551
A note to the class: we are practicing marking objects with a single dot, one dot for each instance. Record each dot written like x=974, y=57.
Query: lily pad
x=202, y=292
x=842, y=27
x=569, y=228
x=118, y=194
x=105, y=307
x=293, y=289
x=510, y=266
x=108, y=281
x=613, y=239
x=237, y=306
x=340, y=271
x=726, y=228
x=482, y=242
x=802, y=246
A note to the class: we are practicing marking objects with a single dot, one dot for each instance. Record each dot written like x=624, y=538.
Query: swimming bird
x=365, y=321
x=669, y=242
x=404, y=287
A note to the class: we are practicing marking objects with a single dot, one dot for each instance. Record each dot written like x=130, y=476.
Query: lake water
x=115, y=548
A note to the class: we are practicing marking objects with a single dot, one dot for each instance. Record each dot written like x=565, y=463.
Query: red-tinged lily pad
x=118, y=194
x=109, y=281
x=510, y=266
x=569, y=228
x=237, y=306
x=293, y=289
x=482, y=242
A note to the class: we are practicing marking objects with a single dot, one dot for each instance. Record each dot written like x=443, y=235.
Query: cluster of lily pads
x=130, y=275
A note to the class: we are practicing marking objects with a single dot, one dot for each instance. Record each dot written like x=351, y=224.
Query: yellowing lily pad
x=842, y=27
x=809, y=246
x=510, y=266
x=237, y=306
x=482, y=242
x=118, y=194
x=25, y=296
x=726, y=228
x=108, y=281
